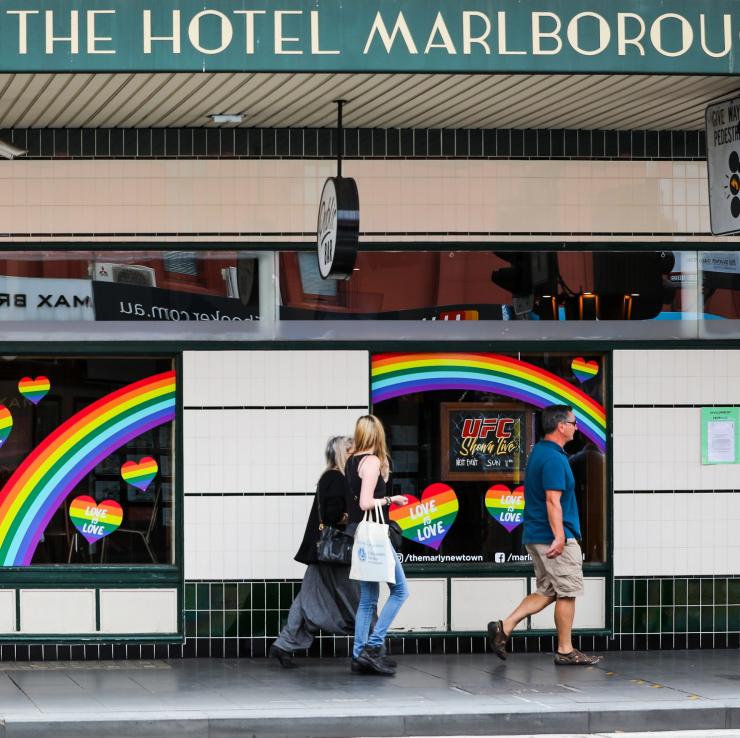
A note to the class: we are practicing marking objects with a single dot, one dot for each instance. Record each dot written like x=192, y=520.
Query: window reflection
x=500, y=285
x=720, y=272
x=129, y=285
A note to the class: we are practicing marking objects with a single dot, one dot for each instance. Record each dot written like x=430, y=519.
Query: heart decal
x=6, y=424
x=584, y=370
x=140, y=474
x=95, y=520
x=427, y=520
x=505, y=506
x=34, y=390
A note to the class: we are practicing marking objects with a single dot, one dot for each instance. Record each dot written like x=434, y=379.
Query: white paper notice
x=721, y=441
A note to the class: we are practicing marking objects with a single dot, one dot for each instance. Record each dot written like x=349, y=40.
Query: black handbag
x=395, y=534
x=334, y=545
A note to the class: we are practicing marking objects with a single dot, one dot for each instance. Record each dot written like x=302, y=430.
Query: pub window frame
x=97, y=576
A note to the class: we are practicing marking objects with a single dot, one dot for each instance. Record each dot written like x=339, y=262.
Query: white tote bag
x=373, y=559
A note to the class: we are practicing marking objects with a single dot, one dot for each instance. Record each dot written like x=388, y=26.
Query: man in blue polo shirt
x=551, y=534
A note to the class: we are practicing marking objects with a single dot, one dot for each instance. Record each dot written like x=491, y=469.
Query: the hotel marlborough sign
x=549, y=36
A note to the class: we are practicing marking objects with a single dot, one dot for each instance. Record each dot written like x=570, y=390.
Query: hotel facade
x=533, y=227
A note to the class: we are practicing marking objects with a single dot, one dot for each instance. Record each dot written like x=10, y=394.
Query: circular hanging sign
x=338, y=228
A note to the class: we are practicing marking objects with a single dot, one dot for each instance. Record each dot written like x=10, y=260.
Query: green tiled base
x=655, y=613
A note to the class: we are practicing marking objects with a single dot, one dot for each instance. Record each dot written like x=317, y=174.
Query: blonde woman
x=367, y=472
x=328, y=598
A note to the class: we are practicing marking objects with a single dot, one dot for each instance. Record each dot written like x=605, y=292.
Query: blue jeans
x=369, y=592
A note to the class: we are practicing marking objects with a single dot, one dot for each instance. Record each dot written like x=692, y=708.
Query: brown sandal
x=575, y=658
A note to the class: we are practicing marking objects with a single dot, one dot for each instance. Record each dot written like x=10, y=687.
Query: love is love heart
x=140, y=473
x=584, y=370
x=505, y=506
x=427, y=520
x=95, y=520
x=34, y=390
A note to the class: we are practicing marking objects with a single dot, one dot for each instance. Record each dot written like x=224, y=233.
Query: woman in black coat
x=328, y=598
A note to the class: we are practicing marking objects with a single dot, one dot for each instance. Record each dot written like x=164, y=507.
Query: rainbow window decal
x=52, y=470
x=394, y=375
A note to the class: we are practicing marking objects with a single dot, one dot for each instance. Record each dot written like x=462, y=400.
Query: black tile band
x=391, y=143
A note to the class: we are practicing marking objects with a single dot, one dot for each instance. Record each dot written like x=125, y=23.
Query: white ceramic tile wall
x=248, y=452
x=590, y=607
x=192, y=196
x=269, y=378
x=425, y=609
x=138, y=611
x=259, y=450
x=476, y=601
x=250, y=537
x=674, y=532
x=660, y=449
x=677, y=534
x=7, y=610
x=57, y=611
x=679, y=377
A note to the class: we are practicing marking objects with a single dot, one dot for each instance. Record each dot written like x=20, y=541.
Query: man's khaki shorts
x=561, y=576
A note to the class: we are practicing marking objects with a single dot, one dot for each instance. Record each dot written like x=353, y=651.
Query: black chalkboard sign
x=484, y=441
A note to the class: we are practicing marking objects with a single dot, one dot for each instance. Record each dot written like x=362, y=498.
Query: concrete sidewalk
x=430, y=695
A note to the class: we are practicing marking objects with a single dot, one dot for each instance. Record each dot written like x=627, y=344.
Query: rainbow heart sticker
x=34, y=390
x=95, y=520
x=428, y=519
x=140, y=474
x=584, y=370
x=505, y=506
x=6, y=424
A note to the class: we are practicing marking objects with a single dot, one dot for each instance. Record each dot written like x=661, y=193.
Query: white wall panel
x=660, y=449
x=57, y=611
x=268, y=378
x=425, y=609
x=476, y=600
x=7, y=610
x=407, y=195
x=251, y=537
x=677, y=534
x=590, y=607
x=686, y=377
x=259, y=450
x=138, y=611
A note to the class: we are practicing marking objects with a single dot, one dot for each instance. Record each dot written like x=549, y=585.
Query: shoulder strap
x=318, y=503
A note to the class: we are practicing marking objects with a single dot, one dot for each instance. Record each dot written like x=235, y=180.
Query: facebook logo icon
x=499, y=557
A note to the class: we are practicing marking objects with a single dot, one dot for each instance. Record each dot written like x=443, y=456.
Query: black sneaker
x=357, y=668
x=372, y=660
x=285, y=658
x=497, y=638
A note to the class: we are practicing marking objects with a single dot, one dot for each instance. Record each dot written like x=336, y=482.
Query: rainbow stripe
x=394, y=375
x=52, y=470
x=6, y=424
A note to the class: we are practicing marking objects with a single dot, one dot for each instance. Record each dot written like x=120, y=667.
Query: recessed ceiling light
x=226, y=117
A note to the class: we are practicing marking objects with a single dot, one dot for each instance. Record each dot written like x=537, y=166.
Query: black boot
x=372, y=659
x=285, y=658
